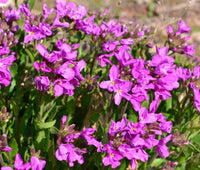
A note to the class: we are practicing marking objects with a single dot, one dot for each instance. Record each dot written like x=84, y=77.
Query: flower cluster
x=128, y=140
x=125, y=140
x=36, y=28
x=128, y=69
x=36, y=163
x=67, y=12
x=4, y=145
x=4, y=115
x=194, y=85
x=63, y=68
x=177, y=42
x=8, y=28
x=133, y=83
x=67, y=151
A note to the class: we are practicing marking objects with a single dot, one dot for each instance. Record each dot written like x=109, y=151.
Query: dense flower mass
x=63, y=68
x=34, y=164
x=127, y=100
x=128, y=140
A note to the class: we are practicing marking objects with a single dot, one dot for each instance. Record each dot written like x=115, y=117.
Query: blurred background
x=156, y=14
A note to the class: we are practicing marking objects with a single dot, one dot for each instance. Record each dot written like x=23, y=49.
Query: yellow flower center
x=112, y=82
x=111, y=155
x=71, y=65
x=134, y=128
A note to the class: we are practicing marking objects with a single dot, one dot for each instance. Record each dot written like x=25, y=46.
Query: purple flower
x=4, y=50
x=133, y=153
x=151, y=142
x=24, y=8
x=78, y=67
x=66, y=50
x=3, y=1
x=169, y=30
x=166, y=126
x=127, y=41
x=57, y=23
x=33, y=33
x=133, y=164
x=196, y=72
x=137, y=128
x=162, y=149
x=113, y=157
x=117, y=127
x=42, y=83
x=138, y=95
x=161, y=57
x=154, y=105
x=123, y=56
x=12, y=15
x=86, y=134
x=189, y=50
x=4, y=145
x=43, y=67
x=63, y=86
x=68, y=152
x=6, y=168
x=37, y=164
x=46, y=12
x=109, y=46
x=183, y=73
x=19, y=163
x=146, y=117
x=111, y=84
x=65, y=71
x=183, y=28
x=74, y=13
x=196, y=96
x=122, y=89
x=52, y=58
x=104, y=58
x=45, y=29
x=5, y=76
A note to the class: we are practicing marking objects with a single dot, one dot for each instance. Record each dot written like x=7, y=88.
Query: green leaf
x=13, y=70
x=48, y=111
x=40, y=136
x=158, y=162
x=31, y=4
x=30, y=55
x=16, y=4
x=42, y=140
x=13, y=144
x=196, y=139
x=45, y=125
x=14, y=107
x=12, y=85
x=54, y=130
x=168, y=104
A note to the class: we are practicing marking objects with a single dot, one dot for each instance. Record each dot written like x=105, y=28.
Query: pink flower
x=37, y=164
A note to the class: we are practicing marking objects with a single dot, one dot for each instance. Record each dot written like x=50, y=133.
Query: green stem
x=181, y=110
x=87, y=116
x=153, y=158
x=17, y=131
x=1, y=160
x=109, y=113
x=8, y=153
x=123, y=109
